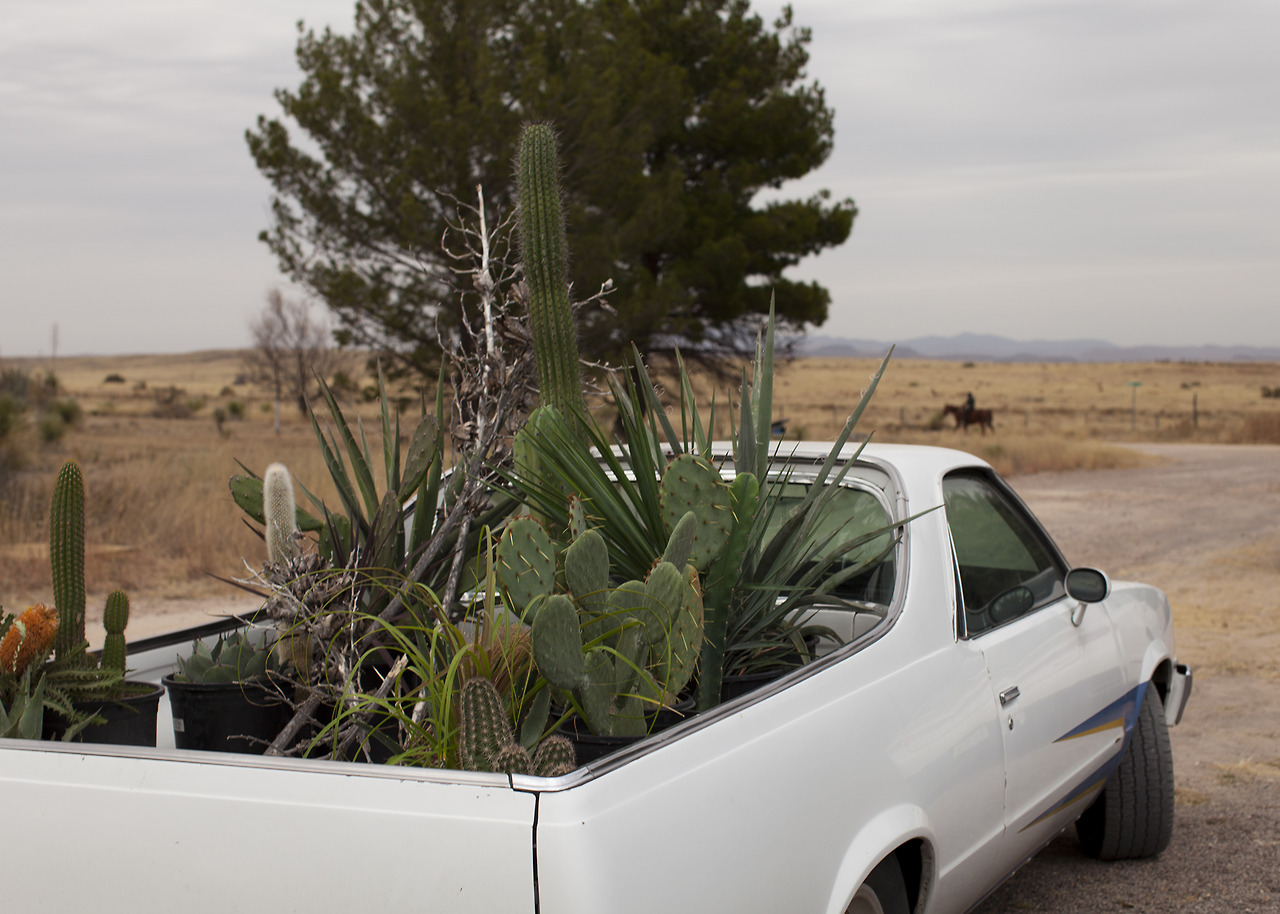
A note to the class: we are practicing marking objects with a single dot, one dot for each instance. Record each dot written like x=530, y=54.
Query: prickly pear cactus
x=66, y=556
x=620, y=650
x=114, y=619
x=280, y=513
x=526, y=565
x=692, y=483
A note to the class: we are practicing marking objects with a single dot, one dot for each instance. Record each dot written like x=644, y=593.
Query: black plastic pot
x=587, y=746
x=226, y=717
x=129, y=721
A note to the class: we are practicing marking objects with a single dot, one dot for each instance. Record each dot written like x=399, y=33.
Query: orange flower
x=28, y=638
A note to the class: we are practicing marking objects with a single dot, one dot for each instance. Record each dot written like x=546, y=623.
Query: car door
x=1054, y=665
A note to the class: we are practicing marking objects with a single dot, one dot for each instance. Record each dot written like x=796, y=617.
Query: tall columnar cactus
x=487, y=740
x=544, y=251
x=280, y=513
x=66, y=557
x=114, y=619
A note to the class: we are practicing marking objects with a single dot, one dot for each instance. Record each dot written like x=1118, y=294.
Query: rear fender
x=876, y=840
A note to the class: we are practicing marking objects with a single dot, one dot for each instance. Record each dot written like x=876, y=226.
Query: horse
x=978, y=417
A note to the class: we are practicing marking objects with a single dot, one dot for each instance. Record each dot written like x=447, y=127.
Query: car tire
x=884, y=892
x=1133, y=816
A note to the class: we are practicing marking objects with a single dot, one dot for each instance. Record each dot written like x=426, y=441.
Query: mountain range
x=984, y=347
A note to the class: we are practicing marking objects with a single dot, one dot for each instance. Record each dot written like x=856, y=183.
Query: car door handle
x=1009, y=695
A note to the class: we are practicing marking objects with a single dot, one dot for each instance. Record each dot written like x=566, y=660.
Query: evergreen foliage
x=672, y=116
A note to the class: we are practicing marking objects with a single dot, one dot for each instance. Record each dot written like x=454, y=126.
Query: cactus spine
x=280, y=514
x=544, y=251
x=66, y=557
x=114, y=619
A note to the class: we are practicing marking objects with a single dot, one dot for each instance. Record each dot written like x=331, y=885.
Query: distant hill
x=985, y=347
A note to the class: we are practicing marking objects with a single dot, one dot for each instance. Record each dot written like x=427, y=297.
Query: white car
x=986, y=697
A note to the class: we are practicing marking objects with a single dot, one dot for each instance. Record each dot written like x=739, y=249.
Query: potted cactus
x=90, y=698
x=222, y=697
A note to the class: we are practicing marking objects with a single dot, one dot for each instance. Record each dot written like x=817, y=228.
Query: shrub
x=235, y=410
x=113, y=378
x=66, y=409
x=51, y=427
x=11, y=410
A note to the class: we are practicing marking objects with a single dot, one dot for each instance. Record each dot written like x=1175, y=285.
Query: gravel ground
x=1176, y=525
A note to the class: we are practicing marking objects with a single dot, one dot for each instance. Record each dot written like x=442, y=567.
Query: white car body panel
x=898, y=738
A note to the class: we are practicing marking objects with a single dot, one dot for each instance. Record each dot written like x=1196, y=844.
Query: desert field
x=1173, y=482
x=158, y=436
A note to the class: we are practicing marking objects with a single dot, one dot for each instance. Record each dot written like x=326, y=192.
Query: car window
x=865, y=573
x=1007, y=568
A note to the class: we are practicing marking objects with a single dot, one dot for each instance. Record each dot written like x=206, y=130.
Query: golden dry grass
x=160, y=516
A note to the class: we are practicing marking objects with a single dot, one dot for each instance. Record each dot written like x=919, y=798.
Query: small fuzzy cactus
x=29, y=638
x=66, y=557
x=114, y=619
x=280, y=513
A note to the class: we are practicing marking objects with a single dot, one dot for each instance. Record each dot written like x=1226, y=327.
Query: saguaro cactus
x=66, y=556
x=544, y=251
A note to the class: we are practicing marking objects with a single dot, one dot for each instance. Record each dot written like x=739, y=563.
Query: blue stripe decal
x=1122, y=713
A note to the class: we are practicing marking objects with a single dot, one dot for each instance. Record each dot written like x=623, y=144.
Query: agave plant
x=780, y=552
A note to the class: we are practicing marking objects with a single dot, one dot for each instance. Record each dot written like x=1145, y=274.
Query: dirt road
x=1204, y=524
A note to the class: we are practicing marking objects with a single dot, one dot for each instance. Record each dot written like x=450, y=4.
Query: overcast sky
x=1036, y=169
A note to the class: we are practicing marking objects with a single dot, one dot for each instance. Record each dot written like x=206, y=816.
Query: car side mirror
x=1088, y=585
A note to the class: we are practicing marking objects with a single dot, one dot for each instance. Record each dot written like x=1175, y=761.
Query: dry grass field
x=156, y=462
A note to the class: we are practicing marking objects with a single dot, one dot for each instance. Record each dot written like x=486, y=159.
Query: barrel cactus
x=114, y=619
x=487, y=739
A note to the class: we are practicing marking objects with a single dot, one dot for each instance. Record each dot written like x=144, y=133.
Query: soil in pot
x=226, y=717
x=128, y=721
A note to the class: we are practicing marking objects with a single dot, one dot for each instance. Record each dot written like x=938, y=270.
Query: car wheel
x=1133, y=816
x=884, y=892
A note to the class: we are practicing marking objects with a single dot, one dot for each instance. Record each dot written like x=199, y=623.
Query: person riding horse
x=967, y=410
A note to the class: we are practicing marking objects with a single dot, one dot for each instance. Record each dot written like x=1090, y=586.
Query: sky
x=1104, y=169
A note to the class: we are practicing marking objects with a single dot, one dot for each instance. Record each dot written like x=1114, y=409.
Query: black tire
x=884, y=892
x=1133, y=816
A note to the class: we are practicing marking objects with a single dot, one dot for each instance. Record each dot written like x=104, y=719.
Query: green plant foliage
x=24, y=718
x=619, y=652
x=487, y=739
x=672, y=118
x=233, y=658
x=66, y=556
